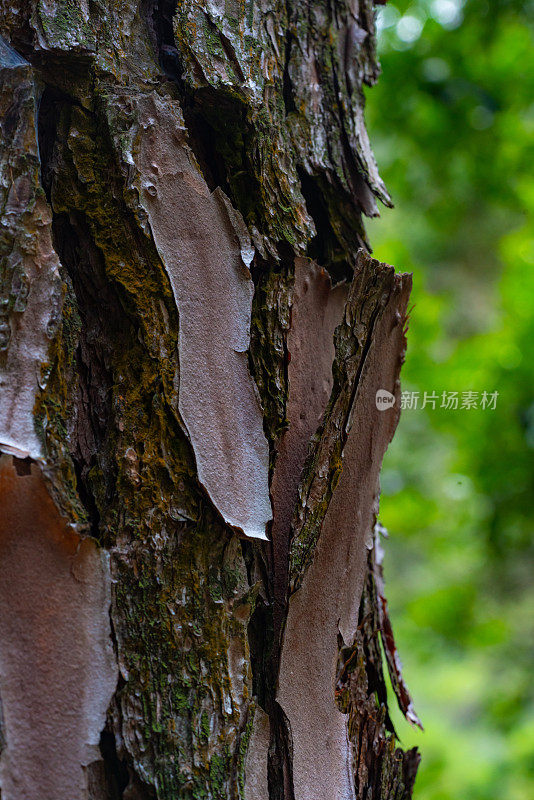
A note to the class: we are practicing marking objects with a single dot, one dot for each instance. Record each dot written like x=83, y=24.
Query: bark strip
x=208, y=266
x=334, y=522
x=30, y=286
x=57, y=666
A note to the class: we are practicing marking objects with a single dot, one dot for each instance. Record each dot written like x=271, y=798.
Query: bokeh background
x=452, y=125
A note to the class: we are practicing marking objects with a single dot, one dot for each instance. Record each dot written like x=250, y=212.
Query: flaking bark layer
x=333, y=527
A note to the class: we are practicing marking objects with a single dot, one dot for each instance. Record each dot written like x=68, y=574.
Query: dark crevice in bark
x=51, y=105
x=259, y=638
x=333, y=249
x=117, y=773
x=114, y=777
x=103, y=328
x=220, y=138
x=280, y=758
x=324, y=248
x=160, y=15
x=211, y=122
x=264, y=628
x=264, y=655
x=287, y=256
x=97, y=304
x=22, y=39
x=287, y=91
x=23, y=466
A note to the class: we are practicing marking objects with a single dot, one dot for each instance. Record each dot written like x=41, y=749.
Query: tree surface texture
x=192, y=336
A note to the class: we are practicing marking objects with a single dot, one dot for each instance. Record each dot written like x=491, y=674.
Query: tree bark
x=192, y=338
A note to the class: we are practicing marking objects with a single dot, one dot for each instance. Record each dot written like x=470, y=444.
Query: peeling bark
x=31, y=287
x=190, y=343
x=207, y=259
x=316, y=310
x=57, y=666
x=324, y=610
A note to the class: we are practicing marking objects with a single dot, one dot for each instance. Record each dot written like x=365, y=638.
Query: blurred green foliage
x=452, y=125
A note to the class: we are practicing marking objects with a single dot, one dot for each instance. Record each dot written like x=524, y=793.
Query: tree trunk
x=192, y=338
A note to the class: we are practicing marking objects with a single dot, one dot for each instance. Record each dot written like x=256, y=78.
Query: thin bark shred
x=381, y=768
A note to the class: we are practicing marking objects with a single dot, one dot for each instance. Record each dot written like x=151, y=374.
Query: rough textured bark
x=191, y=340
